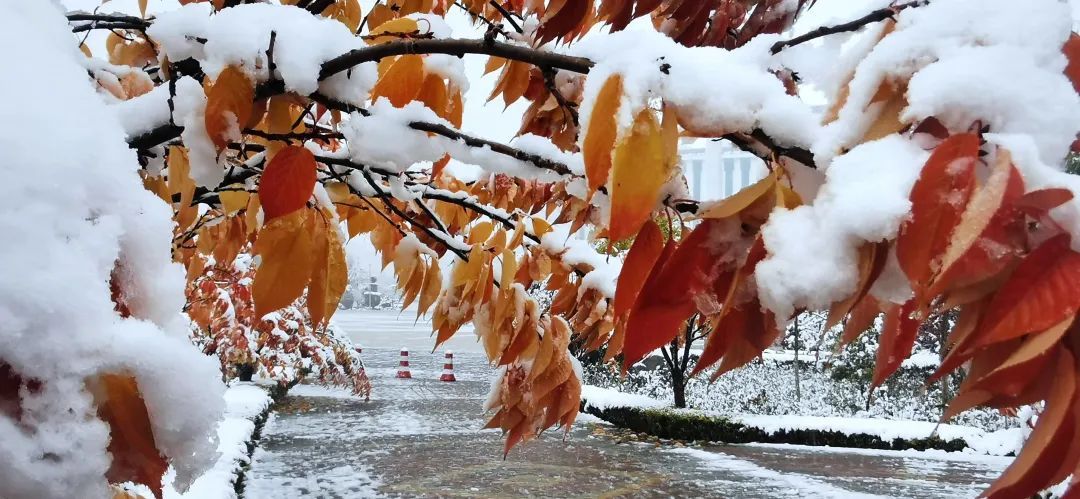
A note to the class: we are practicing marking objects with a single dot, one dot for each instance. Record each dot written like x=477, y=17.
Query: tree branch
x=454, y=46
x=873, y=17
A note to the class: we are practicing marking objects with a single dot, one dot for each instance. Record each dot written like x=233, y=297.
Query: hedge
x=688, y=426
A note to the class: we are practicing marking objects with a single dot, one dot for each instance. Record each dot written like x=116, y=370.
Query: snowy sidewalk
x=421, y=437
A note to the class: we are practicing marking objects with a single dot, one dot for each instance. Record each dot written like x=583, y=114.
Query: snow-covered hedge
x=643, y=414
x=768, y=386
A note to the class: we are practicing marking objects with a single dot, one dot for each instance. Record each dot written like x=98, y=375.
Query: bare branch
x=873, y=17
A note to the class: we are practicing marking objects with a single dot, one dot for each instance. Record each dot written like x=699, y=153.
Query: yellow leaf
x=180, y=183
x=285, y=247
x=493, y=63
x=401, y=82
x=640, y=168
x=600, y=137
x=739, y=201
x=329, y=275
x=233, y=199
x=540, y=227
x=393, y=27
x=431, y=287
x=480, y=232
x=889, y=102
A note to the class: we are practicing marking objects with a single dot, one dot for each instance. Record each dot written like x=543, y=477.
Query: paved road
x=420, y=437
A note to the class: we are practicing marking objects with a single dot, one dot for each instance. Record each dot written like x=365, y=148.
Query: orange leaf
x=1041, y=292
x=329, y=276
x=229, y=103
x=742, y=199
x=872, y=258
x=402, y=80
x=285, y=247
x=287, y=182
x=640, y=168
x=600, y=137
x=897, y=339
x=938, y=197
x=135, y=456
x=1025, y=363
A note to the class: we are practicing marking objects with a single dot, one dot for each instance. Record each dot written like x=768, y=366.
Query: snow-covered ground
x=400, y=329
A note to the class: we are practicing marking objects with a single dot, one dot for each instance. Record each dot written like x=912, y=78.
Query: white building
x=718, y=169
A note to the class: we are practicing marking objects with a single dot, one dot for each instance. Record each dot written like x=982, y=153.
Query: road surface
x=421, y=438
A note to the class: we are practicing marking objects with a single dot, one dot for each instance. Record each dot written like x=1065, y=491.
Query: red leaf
x=287, y=182
x=1040, y=462
x=1041, y=292
x=897, y=339
x=1072, y=53
x=639, y=263
x=1036, y=203
x=648, y=327
x=938, y=197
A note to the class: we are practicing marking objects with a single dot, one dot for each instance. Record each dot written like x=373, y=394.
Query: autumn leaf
x=286, y=251
x=937, y=199
x=640, y=168
x=401, y=82
x=229, y=103
x=1040, y=462
x=1072, y=54
x=1041, y=292
x=898, y=336
x=329, y=276
x=732, y=205
x=602, y=131
x=648, y=327
x=287, y=182
x=135, y=456
x=637, y=266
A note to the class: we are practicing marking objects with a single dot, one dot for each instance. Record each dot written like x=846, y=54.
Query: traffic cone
x=448, y=368
x=403, y=366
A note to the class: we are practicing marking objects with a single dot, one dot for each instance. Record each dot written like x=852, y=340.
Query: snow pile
x=241, y=36
x=813, y=249
x=244, y=402
x=72, y=199
x=606, y=398
x=385, y=139
x=966, y=60
x=885, y=429
x=714, y=89
x=573, y=251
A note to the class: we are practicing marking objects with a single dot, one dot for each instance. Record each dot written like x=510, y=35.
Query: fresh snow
x=77, y=209
x=243, y=403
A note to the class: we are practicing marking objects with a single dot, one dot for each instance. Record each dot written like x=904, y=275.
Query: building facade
x=717, y=169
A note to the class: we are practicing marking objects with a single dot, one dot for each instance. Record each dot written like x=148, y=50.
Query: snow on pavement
x=422, y=438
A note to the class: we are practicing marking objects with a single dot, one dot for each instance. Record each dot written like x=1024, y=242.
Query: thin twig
x=873, y=17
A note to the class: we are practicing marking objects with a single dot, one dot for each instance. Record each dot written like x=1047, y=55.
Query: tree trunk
x=245, y=371
x=798, y=365
x=678, y=385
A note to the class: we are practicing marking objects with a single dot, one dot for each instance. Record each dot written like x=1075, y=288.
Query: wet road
x=421, y=438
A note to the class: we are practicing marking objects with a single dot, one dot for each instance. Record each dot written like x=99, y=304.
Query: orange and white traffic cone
x=448, y=368
x=403, y=366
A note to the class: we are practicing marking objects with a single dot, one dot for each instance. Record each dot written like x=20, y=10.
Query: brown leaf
x=229, y=103
x=286, y=251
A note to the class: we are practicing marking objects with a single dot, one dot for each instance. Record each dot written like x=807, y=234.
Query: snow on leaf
x=229, y=103
x=135, y=456
x=286, y=248
x=287, y=182
x=938, y=197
